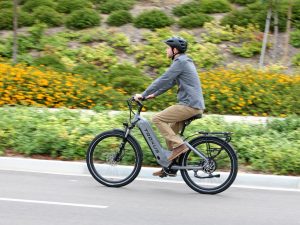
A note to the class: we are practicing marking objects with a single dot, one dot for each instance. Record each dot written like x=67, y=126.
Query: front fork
x=119, y=155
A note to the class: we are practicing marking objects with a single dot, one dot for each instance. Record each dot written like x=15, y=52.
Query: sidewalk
x=80, y=169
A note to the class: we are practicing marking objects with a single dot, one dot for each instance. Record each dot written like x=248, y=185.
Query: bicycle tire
x=101, y=177
x=233, y=161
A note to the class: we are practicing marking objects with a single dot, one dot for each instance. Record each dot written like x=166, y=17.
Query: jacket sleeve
x=165, y=88
x=166, y=81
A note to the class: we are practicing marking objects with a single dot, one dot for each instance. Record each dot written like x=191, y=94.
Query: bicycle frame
x=158, y=151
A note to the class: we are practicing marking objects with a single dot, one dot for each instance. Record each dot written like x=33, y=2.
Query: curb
x=80, y=169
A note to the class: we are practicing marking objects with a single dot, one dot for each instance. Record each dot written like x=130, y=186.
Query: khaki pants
x=170, y=122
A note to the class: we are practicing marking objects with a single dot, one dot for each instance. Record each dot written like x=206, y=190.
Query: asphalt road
x=48, y=199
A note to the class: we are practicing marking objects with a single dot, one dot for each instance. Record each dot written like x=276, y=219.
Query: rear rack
x=226, y=136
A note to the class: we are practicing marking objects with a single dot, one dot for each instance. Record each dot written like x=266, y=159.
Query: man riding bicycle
x=189, y=95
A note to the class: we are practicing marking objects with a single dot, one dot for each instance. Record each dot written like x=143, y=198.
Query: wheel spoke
x=113, y=162
x=217, y=173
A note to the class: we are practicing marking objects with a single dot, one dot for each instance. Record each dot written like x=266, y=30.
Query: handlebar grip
x=142, y=99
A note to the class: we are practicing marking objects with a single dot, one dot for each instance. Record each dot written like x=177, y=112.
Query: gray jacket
x=183, y=73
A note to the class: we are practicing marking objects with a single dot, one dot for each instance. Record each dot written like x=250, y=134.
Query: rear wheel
x=218, y=173
x=113, y=161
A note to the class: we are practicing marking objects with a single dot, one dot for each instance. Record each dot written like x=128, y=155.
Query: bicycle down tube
x=160, y=153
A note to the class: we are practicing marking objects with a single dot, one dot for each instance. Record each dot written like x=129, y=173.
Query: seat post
x=182, y=130
x=188, y=121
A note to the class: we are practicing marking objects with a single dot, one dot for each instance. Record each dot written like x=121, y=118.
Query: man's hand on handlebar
x=138, y=97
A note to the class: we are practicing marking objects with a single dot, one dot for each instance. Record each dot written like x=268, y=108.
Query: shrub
x=256, y=13
x=242, y=2
x=215, y=33
x=214, y=6
x=100, y=55
x=115, y=5
x=25, y=19
x=66, y=134
x=186, y=8
x=152, y=19
x=129, y=78
x=25, y=42
x=260, y=18
x=68, y=6
x=205, y=55
x=295, y=38
x=296, y=14
x=31, y=5
x=50, y=61
x=248, y=49
x=119, y=18
x=296, y=60
x=32, y=86
x=237, y=17
x=194, y=20
x=84, y=18
x=120, y=41
x=6, y=19
x=48, y=15
x=203, y=6
x=6, y=5
x=240, y=90
x=244, y=90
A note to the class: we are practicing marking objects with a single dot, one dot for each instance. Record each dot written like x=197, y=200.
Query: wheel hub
x=209, y=167
x=111, y=159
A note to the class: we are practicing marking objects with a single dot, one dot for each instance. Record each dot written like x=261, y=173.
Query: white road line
x=53, y=203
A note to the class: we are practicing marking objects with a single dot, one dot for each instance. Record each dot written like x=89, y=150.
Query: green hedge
x=203, y=6
x=119, y=18
x=49, y=61
x=128, y=77
x=243, y=2
x=186, y=8
x=83, y=18
x=31, y=5
x=6, y=19
x=47, y=15
x=153, y=19
x=115, y=5
x=295, y=38
x=194, y=20
x=248, y=49
x=6, y=4
x=296, y=60
x=66, y=134
x=214, y=6
x=68, y=6
x=256, y=13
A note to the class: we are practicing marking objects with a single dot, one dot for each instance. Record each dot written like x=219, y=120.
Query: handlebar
x=139, y=103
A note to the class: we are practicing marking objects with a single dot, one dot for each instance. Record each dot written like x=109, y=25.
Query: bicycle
x=114, y=157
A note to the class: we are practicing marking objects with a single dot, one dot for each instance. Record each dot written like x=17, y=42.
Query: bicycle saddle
x=198, y=116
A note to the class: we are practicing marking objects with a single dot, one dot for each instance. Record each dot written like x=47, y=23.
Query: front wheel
x=112, y=160
x=216, y=174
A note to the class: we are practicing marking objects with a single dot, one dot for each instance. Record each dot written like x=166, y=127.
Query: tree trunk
x=275, y=35
x=15, y=27
x=265, y=40
x=288, y=31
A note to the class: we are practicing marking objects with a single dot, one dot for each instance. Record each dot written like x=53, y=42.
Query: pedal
x=163, y=175
x=170, y=172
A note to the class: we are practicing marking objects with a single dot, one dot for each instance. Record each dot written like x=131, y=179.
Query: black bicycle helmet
x=177, y=42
